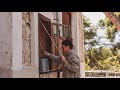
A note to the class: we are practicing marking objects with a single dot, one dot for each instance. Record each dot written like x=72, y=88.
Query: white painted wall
x=81, y=45
x=34, y=40
x=60, y=17
x=5, y=44
x=18, y=71
x=78, y=38
x=17, y=40
x=5, y=32
x=74, y=26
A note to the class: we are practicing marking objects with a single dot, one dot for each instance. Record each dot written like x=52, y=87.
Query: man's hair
x=68, y=42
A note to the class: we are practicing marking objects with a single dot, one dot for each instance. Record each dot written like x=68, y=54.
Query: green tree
x=102, y=58
x=89, y=32
x=86, y=22
x=101, y=23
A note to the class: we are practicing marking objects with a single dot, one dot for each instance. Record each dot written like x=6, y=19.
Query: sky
x=94, y=16
x=117, y=36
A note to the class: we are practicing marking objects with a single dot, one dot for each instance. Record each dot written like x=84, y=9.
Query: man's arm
x=55, y=58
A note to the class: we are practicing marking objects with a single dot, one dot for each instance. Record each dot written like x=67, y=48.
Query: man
x=70, y=60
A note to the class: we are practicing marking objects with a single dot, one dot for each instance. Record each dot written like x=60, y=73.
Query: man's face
x=65, y=48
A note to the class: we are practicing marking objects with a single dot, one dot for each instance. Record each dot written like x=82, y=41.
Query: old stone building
x=21, y=37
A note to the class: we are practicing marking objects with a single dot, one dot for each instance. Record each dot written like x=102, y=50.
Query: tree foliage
x=111, y=30
x=102, y=58
x=86, y=22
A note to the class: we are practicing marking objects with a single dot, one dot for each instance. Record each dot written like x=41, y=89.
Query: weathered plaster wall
x=16, y=41
x=20, y=29
x=26, y=38
x=34, y=40
x=74, y=28
x=81, y=45
x=5, y=44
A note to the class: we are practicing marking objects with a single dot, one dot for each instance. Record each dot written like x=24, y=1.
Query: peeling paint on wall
x=26, y=38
